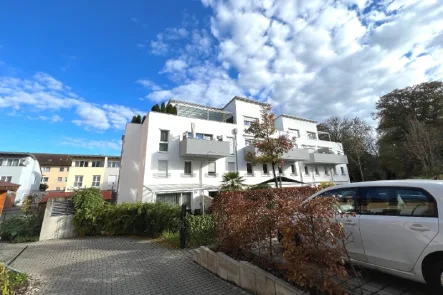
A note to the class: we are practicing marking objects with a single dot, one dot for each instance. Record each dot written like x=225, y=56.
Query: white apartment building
x=22, y=169
x=179, y=158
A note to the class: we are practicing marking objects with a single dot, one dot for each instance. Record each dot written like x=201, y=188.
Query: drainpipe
x=234, y=131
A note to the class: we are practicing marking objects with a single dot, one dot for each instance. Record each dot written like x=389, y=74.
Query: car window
x=397, y=202
x=345, y=198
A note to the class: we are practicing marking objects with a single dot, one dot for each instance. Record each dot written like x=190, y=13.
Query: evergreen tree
x=134, y=118
x=155, y=108
x=143, y=120
x=138, y=119
x=163, y=108
x=169, y=108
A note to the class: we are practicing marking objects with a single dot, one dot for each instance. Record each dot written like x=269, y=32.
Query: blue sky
x=72, y=73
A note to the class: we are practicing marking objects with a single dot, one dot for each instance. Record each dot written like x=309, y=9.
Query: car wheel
x=435, y=279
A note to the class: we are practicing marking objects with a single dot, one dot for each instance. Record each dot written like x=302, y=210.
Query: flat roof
x=296, y=118
x=248, y=100
x=191, y=104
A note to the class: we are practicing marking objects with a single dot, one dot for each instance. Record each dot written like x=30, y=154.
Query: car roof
x=422, y=183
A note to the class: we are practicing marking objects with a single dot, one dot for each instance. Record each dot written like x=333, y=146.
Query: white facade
x=178, y=158
x=22, y=169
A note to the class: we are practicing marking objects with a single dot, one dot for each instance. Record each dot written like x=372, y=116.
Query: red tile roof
x=8, y=184
x=106, y=195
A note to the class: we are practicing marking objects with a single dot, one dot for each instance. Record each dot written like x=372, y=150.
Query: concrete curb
x=243, y=274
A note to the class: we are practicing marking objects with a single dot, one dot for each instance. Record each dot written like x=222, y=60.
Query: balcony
x=294, y=154
x=202, y=148
x=323, y=158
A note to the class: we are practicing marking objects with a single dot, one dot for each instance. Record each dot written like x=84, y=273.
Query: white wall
x=141, y=153
x=28, y=177
x=130, y=165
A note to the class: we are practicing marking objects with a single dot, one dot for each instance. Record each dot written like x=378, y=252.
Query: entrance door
x=397, y=223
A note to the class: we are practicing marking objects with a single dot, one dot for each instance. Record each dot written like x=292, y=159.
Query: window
x=188, y=167
x=294, y=132
x=67, y=169
x=172, y=199
x=312, y=135
x=248, y=142
x=1, y=162
x=66, y=179
x=59, y=179
x=249, y=169
x=231, y=145
x=211, y=169
x=96, y=180
x=342, y=169
x=61, y=169
x=293, y=169
x=316, y=170
x=164, y=139
x=265, y=169
x=326, y=171
x=186, y=200
x=78, y=181
x=280, y=170
x=248, y=121
x=306, y=170
x=114, y=164
x=231, y=166
x=397, y=201
x=6, y=178
x=163, y=167
x=97, y=164
x=345, y=199
x=57, y=188
x=203, y=136
x=45, y=179
x=335, y=170
x=81, y=163
x=46, y=169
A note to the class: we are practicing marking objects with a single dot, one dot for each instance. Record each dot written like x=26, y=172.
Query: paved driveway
x=113, y=265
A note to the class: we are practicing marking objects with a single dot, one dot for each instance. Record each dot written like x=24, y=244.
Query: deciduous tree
x=270, y=145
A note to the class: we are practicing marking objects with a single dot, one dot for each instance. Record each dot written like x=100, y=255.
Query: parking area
x=113, y=265
x=123, y=265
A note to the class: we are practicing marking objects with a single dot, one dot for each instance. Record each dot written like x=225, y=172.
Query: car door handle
x=350, y=222
x=419, y=227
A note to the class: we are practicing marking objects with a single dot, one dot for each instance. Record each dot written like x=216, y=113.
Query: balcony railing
x=204, y=148
x=320, y=158
x=294, y=154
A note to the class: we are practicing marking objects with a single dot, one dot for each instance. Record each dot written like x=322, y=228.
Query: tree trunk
x=275, y=176
x=360, y=168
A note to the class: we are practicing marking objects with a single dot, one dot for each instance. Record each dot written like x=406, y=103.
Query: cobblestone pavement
x=113, y=265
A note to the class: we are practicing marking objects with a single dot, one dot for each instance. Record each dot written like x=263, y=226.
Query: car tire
x=435, y=278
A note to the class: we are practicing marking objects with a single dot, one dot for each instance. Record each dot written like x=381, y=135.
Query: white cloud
x=148, y=84
x=42, y=92
x=174, y=65
x=92, y=144
x=311, y=58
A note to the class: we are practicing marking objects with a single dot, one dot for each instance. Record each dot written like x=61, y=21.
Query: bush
x=10, y=280
x=21, y=229
x=319, y=243
x=88, y=203
x=201, y=230
x=250, y=219
x=149, y=219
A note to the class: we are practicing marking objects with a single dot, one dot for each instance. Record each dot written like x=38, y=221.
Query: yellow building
x=93, y=171
x=55, y=170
